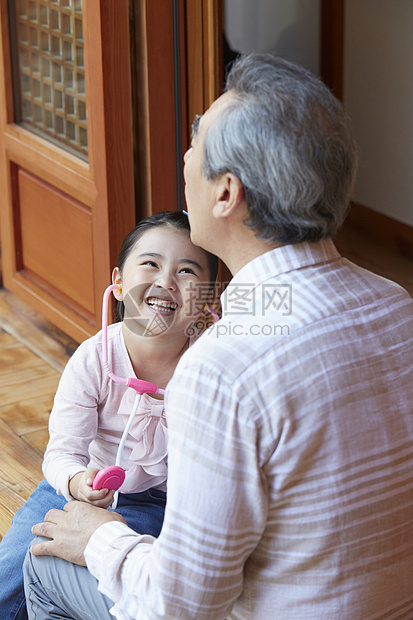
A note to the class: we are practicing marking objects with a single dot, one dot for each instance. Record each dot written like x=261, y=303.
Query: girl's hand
x=80, y=487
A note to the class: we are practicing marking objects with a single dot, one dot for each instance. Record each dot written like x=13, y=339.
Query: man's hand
x=70, y=529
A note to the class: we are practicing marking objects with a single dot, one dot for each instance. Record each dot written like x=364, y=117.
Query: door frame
x=332, y=45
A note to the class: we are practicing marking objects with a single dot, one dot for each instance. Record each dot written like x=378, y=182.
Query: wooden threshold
x=37, y=333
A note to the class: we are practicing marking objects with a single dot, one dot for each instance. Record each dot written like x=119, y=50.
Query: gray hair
x=289, y=141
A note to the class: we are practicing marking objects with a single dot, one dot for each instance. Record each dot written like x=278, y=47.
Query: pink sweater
x=89, y=415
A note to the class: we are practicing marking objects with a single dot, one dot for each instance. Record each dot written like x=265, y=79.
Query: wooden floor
x=33, y=354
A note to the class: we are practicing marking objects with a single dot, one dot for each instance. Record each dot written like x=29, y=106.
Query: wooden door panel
x=56, y=240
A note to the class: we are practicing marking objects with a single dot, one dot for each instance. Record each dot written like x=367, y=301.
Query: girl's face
x=165, y=282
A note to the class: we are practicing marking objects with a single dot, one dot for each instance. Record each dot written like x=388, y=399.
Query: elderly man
x=290, y=490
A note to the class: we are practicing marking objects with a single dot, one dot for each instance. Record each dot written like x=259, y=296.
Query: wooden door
x=204, y=33
x=332, y=44
x=204, y=73
x=176, y=73
x=66, y=153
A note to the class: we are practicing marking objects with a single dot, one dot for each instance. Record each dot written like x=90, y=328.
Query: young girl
x=164, y=282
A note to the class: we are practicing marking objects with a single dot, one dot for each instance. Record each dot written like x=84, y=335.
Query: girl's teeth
x=162, y=306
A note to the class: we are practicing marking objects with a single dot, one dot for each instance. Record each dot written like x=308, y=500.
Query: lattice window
x=49, y=70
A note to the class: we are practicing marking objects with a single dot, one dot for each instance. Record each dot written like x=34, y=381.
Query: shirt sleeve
x=216, y=508
x=74, y=419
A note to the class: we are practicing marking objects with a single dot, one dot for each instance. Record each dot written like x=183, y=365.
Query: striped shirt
x=290, y=491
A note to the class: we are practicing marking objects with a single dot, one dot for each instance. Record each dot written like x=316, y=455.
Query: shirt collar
x=281, y=260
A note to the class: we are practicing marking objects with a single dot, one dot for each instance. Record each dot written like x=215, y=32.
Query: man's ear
x=117, y=279
x=230, y=195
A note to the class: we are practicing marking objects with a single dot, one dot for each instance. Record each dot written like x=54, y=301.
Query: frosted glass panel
x=286, y=28
x=49, y=70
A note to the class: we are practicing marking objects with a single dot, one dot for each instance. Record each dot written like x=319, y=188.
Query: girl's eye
x=187, y=270
x=150, y=263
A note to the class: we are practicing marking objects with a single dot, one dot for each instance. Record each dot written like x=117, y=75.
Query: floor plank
x=27, y=385
x=21, y=472
x=33, y=354
x=34, y=331
x=28, y=416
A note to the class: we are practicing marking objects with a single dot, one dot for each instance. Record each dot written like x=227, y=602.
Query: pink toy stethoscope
x=112, y=477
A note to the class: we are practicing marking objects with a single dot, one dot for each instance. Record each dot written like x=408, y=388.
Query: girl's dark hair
x=174, y=219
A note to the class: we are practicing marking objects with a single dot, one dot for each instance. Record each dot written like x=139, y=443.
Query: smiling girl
x=164, y=282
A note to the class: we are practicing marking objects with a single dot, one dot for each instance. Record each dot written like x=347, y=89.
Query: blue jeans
x=143, y=512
